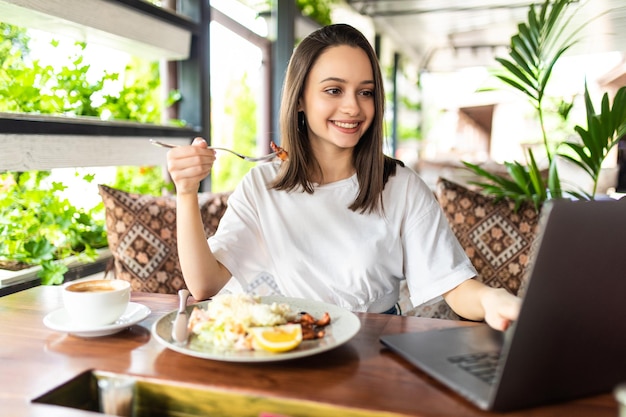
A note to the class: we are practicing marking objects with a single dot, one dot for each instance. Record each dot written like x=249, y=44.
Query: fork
x=247, y=158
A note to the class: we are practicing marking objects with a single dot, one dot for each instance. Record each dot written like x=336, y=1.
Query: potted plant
x=534, y=51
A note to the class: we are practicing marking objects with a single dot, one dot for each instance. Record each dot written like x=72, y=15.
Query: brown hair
x=373, y=168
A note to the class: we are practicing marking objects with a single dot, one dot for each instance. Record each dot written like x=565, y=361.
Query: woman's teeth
x=346, y=125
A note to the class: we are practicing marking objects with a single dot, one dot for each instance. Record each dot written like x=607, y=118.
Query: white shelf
x=102, y=22
x=24, y=152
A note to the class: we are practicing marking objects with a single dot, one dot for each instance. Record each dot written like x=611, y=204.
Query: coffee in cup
x=96, y=302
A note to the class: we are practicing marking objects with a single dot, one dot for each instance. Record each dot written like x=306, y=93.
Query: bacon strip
x=280, y=152
x=313, y=328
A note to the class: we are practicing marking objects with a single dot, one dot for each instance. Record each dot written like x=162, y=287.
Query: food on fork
x=280, y=152
x=241, y=322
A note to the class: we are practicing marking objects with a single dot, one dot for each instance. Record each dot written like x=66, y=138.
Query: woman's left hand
x=474, y=300
x=501, y=308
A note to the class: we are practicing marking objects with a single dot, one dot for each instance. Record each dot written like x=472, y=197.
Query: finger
x=195, y=165
x=191, y=155
x=510, y=309
x=182, y=169
x=497, y=322
x=504, y=325
x=198, y=141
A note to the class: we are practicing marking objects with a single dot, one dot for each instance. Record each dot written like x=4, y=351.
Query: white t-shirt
x=313, y=246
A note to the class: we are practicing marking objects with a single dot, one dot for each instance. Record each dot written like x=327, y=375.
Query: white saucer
x=59, y=320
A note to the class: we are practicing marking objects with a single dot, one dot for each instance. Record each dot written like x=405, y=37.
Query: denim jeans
x=393, y=310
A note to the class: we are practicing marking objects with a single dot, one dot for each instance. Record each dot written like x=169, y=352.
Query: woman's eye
x=367, y=93
x=333, y=91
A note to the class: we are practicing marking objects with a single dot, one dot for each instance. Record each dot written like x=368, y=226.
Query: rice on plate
x=227, y=321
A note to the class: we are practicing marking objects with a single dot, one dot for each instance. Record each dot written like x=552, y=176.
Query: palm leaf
x=526, y=43
x=530, y=36
x=516, y=72
x=554, y=182
x=619, y=111
x=504, y=182
x=539, y=187
x=533, y=24
x=582, y=161
x=522, y=185
x=544, y=77
x=520, y=177
x=517, y=86
x=603, y=132
x=582, y=195
x=522, y=56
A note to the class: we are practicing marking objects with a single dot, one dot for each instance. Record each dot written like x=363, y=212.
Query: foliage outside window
x=49, y=228
x=318, y=10
x=238, y=124
x=27, y=85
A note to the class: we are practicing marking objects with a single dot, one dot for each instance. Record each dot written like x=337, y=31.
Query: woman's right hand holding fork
x=188, y=165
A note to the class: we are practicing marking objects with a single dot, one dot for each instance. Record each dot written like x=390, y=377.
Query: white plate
x=344, y=325
x=60, y=320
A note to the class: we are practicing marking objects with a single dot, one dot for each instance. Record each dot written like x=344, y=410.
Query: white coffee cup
x=95, y=302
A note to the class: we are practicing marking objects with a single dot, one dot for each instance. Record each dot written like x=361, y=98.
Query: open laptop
x=570, y=338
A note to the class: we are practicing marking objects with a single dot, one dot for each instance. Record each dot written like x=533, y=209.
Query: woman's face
x=338, y=98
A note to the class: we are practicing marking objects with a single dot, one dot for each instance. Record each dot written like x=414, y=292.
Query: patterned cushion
x=141, y=231
x=497, y=238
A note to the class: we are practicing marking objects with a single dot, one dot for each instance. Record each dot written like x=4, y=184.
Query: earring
x=301, y=122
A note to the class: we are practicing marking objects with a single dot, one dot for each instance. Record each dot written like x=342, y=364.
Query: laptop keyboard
x=482, y=365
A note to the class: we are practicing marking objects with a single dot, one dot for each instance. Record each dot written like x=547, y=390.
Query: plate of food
x=244, y=328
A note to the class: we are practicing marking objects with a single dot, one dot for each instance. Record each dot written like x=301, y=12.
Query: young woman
x=338, y=221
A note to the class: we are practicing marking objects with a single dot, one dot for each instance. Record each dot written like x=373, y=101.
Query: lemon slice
x=277, y=338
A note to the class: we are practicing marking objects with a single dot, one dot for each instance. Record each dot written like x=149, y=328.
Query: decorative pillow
x=141, y=231
x=497, y=238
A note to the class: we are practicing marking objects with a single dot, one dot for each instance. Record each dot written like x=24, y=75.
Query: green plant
x=534, y=51
x=603, y=132
x=147, y=180
x=50, y=228
x=19, y=90
x=71, y=90
x=318, y=10
x=139, y=98
x=71, y=84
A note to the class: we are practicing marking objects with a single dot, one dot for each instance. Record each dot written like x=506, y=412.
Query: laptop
x=569, y=340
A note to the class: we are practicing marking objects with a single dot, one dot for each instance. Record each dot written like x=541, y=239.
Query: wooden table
x=360, y=374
